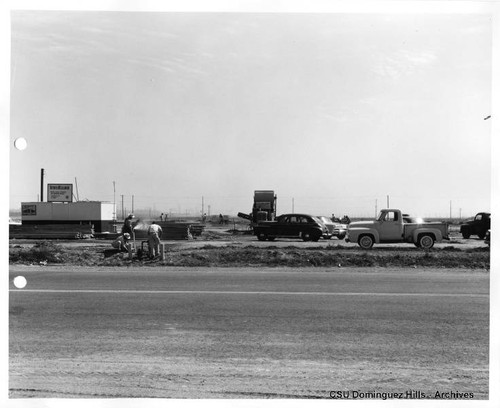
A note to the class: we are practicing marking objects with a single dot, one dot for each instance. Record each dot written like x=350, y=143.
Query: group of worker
x=344, y=220
x=123, y=242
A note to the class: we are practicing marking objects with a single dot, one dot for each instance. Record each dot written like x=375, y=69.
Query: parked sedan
x=303, y=226
x=340, y=230
x=329, y=224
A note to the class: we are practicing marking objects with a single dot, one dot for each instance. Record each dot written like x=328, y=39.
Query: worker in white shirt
x=154, y=235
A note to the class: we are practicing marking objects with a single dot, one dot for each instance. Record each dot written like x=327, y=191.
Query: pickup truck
x=390, y=227
x=478, y=226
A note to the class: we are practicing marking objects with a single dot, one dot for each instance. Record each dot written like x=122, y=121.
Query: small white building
x=97, y=213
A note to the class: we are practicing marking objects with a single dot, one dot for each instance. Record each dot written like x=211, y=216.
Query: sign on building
x=28, y=209
x=59, y=192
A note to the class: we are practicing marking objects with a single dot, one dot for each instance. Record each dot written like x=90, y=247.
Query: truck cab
x=390, y=225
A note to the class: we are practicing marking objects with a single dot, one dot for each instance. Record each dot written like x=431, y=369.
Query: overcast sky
x=334, y=111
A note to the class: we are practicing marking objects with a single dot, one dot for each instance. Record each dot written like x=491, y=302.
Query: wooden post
x=162, y=252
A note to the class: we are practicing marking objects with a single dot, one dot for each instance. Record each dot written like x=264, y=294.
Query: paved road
x=246, y=333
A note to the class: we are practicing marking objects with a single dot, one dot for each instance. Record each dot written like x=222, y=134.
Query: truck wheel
x=426, y=241
x=341, y=236
x=365, y=241
x=271, y=238
x=315, y=238
x=261, y=237
x=466, y=234
x=481, y=235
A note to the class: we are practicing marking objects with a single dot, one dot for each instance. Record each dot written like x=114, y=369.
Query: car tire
x=261, y=236
x=366, y=241
x=305, y=236
x=426, y=241
x=466, y=234
x=271, y=238
x=315, y=238
x=341, y=236
x=481, y=235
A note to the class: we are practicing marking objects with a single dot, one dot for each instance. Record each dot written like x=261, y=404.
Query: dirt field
x=222, y=247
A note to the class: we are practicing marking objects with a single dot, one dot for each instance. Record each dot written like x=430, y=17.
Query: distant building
x=97, y=213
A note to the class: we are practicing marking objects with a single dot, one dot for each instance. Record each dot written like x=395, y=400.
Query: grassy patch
x=270, y=256
x=41, y=252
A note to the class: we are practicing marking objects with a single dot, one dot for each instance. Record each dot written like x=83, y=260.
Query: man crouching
x=122, y=242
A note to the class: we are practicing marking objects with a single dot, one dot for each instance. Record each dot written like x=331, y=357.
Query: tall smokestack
x=41, y=185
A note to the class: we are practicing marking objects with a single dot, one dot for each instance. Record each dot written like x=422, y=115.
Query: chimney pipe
x=41, y=185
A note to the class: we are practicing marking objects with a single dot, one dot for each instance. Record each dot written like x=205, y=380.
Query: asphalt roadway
x=247, y=332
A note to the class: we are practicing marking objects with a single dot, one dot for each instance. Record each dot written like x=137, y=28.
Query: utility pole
x=388, y=205
x=77, y=194
x=114, y=202
x=460, y=212
x=123, y=213
x=132, y=203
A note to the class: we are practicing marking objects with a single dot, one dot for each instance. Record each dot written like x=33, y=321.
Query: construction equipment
x=264, y=207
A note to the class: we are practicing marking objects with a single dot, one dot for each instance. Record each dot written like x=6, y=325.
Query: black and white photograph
x=251, y=202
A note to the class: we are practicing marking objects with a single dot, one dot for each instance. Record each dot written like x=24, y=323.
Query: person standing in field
x=154, y=235
x=128, y=226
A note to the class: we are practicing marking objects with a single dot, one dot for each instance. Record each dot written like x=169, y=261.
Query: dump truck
x=264, y=207
x=391, y=227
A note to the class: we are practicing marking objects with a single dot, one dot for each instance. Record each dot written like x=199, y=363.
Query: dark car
x=303, y=226
x=478, y=226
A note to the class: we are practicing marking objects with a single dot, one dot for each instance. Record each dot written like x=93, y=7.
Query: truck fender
x=355, y=233
x=438, y=236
